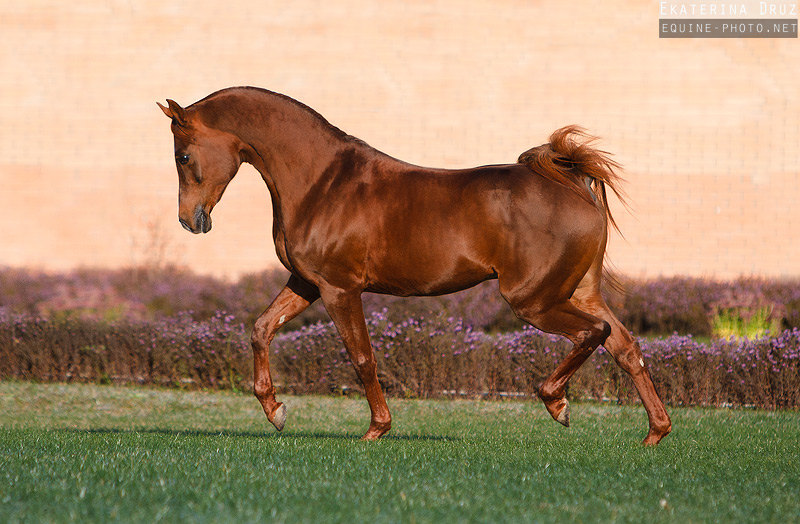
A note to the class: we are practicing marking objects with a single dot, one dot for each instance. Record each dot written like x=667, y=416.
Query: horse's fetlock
x=263, y=391
x=384, y=425
x=549, y=392
x=662, y=427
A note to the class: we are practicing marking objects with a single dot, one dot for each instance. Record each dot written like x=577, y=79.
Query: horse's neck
x=291, y=148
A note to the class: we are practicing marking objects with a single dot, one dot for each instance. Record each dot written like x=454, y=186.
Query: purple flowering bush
x=172, y=327
x=169, y=351
x=657, y=307
x=764, y=372
x=419, y=356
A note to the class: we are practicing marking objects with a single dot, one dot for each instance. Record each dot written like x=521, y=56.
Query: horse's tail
x=569, y=160
x=575, y=164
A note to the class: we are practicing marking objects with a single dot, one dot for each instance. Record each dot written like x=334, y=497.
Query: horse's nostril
x=205, y=223
x=202, y=220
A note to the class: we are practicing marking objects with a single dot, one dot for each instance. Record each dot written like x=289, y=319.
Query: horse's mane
x=267, y=93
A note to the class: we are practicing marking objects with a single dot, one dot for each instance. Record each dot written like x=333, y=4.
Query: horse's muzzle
x=202, y=222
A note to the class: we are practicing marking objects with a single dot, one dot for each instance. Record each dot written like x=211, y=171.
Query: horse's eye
x=183, y=159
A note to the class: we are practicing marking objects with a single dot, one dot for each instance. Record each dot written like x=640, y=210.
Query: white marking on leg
x=641, y=362
x=283, y=319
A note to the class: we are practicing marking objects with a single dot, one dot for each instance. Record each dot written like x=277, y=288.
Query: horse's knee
x=262, y=333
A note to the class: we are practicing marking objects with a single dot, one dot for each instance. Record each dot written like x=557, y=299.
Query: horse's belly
x=415, y=288
x=427, y=273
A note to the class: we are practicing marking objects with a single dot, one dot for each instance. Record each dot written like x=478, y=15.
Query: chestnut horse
x=350, y=219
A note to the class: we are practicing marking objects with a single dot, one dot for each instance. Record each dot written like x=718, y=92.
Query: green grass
x=101, y=453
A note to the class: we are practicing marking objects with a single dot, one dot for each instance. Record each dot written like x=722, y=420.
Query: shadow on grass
x=252, y=434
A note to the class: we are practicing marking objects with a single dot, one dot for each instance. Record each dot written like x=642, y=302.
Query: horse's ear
x=174, y=111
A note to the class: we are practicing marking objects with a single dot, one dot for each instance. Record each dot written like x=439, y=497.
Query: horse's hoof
x=559, y=410
x=279, y=417
x=563, y=417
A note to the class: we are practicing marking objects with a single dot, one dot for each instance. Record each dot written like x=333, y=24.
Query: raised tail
x=569, y=160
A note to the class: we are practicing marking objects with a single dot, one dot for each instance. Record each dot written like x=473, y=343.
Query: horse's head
x=207, y=160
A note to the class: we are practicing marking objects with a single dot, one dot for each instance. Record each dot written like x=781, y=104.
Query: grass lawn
x=101, y=453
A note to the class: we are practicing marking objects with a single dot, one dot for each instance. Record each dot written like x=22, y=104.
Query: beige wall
x=708, y=130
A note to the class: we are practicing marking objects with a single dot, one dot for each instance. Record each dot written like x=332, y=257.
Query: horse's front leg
x=290, y=302
x=347, y=312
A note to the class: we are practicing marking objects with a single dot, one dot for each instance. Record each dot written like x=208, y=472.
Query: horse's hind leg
x=290, y=302
x=626, y=352
x=585, y=331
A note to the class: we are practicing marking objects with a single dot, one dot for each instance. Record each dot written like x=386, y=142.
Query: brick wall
x=707, y=129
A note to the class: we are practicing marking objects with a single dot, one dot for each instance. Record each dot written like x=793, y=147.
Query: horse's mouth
x=185, y=225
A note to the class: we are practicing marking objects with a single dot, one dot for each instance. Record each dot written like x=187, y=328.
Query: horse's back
x=437, y=231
